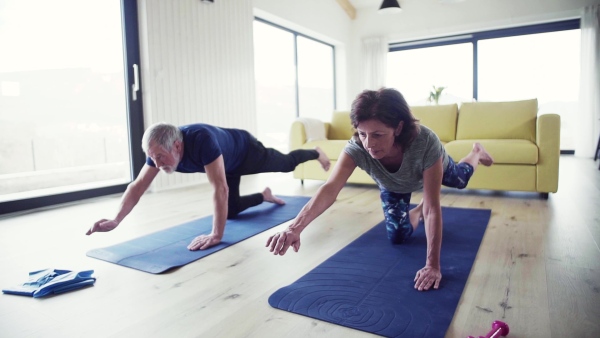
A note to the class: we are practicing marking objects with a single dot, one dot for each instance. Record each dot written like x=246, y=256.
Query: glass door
x=64, y=100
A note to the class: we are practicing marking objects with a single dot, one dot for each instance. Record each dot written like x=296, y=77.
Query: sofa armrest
x=298, y=134
x=548, y=142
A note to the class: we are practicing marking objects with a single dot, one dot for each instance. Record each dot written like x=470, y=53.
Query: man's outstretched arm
x=130, y=198
x=215, y=172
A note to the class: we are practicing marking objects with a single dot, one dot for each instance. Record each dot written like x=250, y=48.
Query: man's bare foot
x=323, y=159
x=269, y=197
x=415, y=215
x=484, y=157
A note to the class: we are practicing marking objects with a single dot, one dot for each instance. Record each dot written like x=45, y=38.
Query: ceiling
x=376, y=3
x=365, y=3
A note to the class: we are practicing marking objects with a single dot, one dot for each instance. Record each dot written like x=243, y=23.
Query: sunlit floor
x=538, y=267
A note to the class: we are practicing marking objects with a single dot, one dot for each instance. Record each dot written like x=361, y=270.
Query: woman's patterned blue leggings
x=396, y=205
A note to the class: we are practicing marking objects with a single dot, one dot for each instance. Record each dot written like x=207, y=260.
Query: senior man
x=224, y=154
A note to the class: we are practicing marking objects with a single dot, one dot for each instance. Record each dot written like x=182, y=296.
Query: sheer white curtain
x=374, y=62
x=588, y=119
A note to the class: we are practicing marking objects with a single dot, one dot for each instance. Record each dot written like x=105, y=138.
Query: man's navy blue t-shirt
x=203, y=143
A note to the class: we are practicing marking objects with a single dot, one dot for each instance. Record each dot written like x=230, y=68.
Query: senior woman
x=402, y=157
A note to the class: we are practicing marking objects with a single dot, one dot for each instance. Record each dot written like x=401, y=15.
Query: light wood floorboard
x=538, y=267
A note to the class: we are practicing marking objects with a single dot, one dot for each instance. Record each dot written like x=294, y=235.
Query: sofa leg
x=544, y=195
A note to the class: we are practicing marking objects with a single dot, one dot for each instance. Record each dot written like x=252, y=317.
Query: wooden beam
x=347, y=6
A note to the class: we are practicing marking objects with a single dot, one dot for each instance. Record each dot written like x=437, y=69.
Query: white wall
x=198, y=66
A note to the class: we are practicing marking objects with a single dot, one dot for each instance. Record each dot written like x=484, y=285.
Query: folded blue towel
x=52, y=281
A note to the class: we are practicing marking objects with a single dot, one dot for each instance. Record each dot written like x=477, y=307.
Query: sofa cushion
x=332, y=148
x=341, y=127
x=440, y=118
x=497, y=120
x=502, y=151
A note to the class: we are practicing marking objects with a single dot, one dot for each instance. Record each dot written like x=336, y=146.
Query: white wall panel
x=197, y=66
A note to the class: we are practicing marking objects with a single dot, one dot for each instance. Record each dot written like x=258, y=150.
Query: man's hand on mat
x=427, y=277
x=204, y=242
x=102, y=225
x=281, y=241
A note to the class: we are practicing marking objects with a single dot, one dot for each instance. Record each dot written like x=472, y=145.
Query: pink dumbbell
x=499, y=329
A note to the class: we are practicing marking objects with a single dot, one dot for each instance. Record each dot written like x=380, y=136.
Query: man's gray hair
x=163, y=134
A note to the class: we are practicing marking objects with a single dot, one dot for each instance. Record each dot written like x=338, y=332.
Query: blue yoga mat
x=368, y=285
x=167, y=249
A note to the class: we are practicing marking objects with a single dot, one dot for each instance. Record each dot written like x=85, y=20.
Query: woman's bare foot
x=269, y=197
x=323, y=159
x=484, y=157
x=415, y=215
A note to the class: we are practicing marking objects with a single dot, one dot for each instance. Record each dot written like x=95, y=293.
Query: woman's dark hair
x=388, y=106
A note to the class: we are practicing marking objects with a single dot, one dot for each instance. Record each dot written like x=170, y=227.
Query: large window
x=65, y=123
x=528, y=66
x=415, y=72
x=540, y=61
x=315, y=79
x=294, y=78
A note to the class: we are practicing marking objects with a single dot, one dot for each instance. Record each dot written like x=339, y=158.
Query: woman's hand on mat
x=102, y=225
x=427, y=277
x=282, y=241
x=204, y=242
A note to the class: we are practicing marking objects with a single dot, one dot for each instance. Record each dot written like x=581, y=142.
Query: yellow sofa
x=525, y=146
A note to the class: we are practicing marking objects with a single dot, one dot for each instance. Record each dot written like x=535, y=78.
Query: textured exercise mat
x=160, y=251
x=369, y=284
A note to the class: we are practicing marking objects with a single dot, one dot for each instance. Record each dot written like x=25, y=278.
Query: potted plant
x=434, y=95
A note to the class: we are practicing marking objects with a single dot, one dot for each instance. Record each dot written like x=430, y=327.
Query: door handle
x=135, y=87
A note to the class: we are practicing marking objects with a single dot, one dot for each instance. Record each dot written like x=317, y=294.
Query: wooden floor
x=538, y=268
